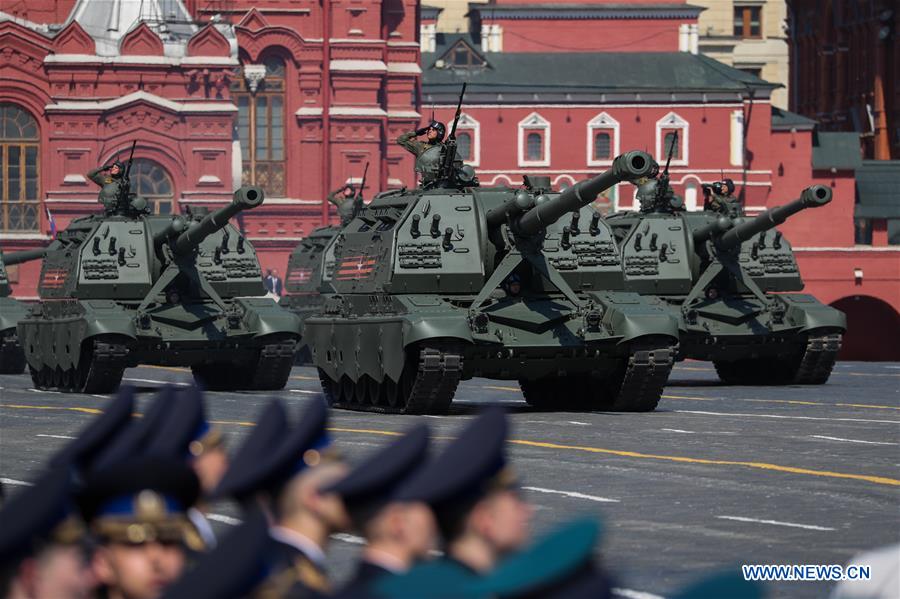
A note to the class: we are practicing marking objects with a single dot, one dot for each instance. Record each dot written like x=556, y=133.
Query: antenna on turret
x=358, y=198
x=446, y=172
x=662, y=186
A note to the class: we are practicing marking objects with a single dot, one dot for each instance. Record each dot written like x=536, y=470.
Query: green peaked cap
x=555, y=556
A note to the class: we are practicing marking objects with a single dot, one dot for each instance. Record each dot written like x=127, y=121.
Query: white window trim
x=602, y=122
x=533, y=122
x=470, y=125
x=673, y=121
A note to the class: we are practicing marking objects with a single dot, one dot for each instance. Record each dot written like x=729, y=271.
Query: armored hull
x=734, y=293
x=305, y=271
x=12, y=358
x=417, y=303
x=130, y=288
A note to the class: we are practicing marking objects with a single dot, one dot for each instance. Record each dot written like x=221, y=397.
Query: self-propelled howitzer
x=133, y=288
x=12, y=358
x=730, y=283
x=433, y=286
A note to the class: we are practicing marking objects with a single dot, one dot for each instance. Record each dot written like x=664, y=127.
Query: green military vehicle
x=12, y=358
x=307, y=266
x=128, y=288
x=731, y=282
x=420, y=298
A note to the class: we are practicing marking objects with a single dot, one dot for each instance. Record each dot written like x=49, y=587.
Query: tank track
x=427, y=386
x=269, y=372
x=811, y=366
x=12, y=357
x=635, y=387
x=274, y=366
x=99, y=370
x=639, y=386
x=818, y=360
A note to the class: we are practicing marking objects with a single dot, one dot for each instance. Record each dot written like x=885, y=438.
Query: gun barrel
x=174, y=228
x=716, y=227
x=626, y=167
x=814, y=196
x=13, y=258
x=244, y=198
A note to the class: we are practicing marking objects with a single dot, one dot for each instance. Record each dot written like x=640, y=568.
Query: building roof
x=785, y=120
x=431, y=13
x=654, y=76
x=877, y=185
x=836, y=150
x=586, y=11
x=108, y=21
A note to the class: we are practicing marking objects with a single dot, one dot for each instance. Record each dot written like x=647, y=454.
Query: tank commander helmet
x=440, y=128
x=120, y=172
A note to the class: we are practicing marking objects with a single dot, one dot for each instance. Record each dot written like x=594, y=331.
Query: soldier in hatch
x=719, y=197
x=428, y=152
x=109, y=183
x=342, y=198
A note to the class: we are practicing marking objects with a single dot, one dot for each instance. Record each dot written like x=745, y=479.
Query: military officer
x=41, y=553
x=473, y=490
x=287, y=471
x=397, y=533
x=428, y=152
x=109, y=182
x=137, y=510
x=185, y=433
x=342, y=198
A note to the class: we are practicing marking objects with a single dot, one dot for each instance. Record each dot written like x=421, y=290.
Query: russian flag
x=52, y=223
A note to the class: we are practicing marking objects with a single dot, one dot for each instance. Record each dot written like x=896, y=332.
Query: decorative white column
x=694, y=38
x=737, y=138
x=683, y=37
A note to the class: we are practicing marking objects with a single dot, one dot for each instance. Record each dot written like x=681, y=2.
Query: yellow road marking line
x=879, y=480
x=690, y=397
x=692, y=368
x=71, y=408
x=868, y=374
x=172, y=368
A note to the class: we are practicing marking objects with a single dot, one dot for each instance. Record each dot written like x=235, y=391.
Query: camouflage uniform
x=343, y=203
x=428, y=155
x=109, y=186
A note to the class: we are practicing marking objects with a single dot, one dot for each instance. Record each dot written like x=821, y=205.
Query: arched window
x=535, y=147
x=602, y=146
x=464, y=146
x=534, y=141
x=667, y=145
x=151, y=181
x=19, y=170
x=259, y=96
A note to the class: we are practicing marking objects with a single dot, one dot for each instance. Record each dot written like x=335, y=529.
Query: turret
x=716, y=227
x=538, y=215
x=173, y=230
x=245, y=198
x=14, y=258
x=812, y=197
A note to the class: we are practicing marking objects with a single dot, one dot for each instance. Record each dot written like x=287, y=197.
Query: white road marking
x=578, y=423
x=305, y=391
x=14, y=482
x=155, y=382
x=557, y=423
x=224, y=519
x=55, y=436
x=676, y=430
x=852, y=440
x=775, y=523
x=574, y=494
x=632, y=594
x=100, y=396
x=786, y=417
x=33, y=390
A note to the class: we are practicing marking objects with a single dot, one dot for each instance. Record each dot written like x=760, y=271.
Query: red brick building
x=215, y=92
x=298, y=95
x=547, y=96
